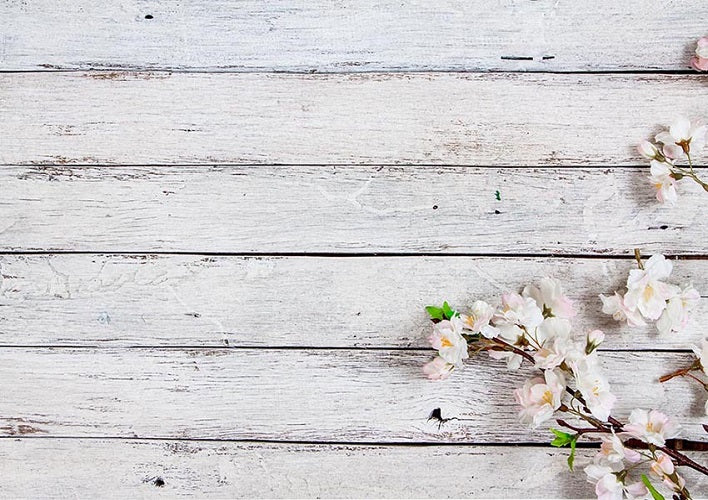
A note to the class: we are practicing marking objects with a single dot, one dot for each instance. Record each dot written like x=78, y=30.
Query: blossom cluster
x=679, y=142
x=650, y=298
x=535, y=325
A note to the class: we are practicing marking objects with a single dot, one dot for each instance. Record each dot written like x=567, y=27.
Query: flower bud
x=647, y=150
x=595, y=338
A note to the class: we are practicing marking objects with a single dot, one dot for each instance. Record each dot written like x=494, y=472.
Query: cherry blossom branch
x=599, y=427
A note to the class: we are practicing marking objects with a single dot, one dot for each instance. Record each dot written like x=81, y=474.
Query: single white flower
x=549, y=297
x=556, y=344
x=613, y=450
x=648, y=150
x=675, y=316
x=609, y=487
x=478, y=320
x=594, y=387
x=682, y=138
x=594, y=339
x=615, y=306
x=663, y=182
x=438, y=369
x=663, y=468
x=702, y=355
x=651, y=427
x=552, y=328
x=554, y=352
x=518, y=310
x=448, y=340
x=540, y=397
x=645, y=290
x=513, y=360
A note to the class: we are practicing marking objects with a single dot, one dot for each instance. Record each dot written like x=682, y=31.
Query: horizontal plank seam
x=379, y=71
x=302, y=442
x=220, y=347
x=93, y=166
x=317, y=255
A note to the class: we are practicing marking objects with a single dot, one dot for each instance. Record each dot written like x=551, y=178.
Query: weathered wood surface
x=149, y=300
x=88, y=468
x=346, y=210
x=547, y=35
x=294, y=394
x=389, y=118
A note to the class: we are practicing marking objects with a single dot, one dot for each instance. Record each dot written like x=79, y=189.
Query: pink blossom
x=549, y=296
x=540, y=397
x=651, y=427
x=663, y=468
x=616, y=307
x=438, y=369
x=448, y=340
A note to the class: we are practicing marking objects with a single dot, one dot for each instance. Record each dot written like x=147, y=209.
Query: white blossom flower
x=608, y=486
x=513, y=360
x=663, y=468
x=675, y=316
x=540, y=397
x=651, y=426
x=663, y=182
x=615, y=306
x=549, y=296
x=594, y=387
x=613, y=450
x=556, y=344
x=554, y=352
x=478, y=320
x=438, y=369
x=448, y=340
x=702, y=355
x=648, y=150
x=518, y=310
x=645, y=290
x=682, y=138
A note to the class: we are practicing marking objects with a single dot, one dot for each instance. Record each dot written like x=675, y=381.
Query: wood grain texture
x=346, y=210
x=88, y=468
x=148, y=300
x=318, y=35
x=391, y=118
x=302, y=395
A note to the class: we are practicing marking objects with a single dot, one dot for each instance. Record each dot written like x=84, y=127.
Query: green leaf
x=435, y=312
x=571, y=457
x=562, y=438
x=655, y=494
x=448, y=311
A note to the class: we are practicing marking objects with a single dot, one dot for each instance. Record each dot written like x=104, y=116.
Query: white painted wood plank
x=302, y=395
x=346, y=210
x=351, y=35
x=88, y=468
x=393, y=118
x=143, y=300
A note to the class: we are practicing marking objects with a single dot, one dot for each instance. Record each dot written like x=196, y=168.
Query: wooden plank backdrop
x=221, y=220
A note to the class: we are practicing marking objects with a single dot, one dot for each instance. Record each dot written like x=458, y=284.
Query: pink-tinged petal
x=673, y=151
x=700, y=63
